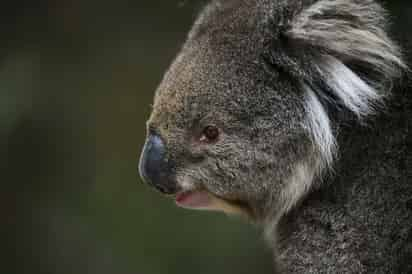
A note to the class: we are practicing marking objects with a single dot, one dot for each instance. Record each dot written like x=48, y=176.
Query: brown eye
x=210, y=134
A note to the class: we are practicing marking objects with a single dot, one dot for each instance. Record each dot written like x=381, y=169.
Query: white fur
x=352, y=91
x=298, y=186
x=319, y=127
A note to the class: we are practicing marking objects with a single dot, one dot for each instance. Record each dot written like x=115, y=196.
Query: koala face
x=238, y=124
x=230, y=127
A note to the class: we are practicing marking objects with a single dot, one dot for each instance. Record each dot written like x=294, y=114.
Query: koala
x=290, y=113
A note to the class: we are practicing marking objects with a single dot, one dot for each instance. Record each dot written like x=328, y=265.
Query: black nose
x=154, y=167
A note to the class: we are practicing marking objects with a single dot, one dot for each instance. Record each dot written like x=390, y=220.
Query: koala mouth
x=205, y=200
x=200, y=199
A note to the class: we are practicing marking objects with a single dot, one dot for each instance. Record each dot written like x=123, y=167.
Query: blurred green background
x=76, y=83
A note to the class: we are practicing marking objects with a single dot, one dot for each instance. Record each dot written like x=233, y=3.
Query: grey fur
x=281, y=79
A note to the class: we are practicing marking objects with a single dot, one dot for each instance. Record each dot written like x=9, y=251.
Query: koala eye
x=210, y=134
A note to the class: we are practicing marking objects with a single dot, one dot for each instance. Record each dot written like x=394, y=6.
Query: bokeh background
x=77, y=79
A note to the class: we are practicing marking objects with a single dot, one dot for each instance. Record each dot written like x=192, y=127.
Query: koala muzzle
x=154, y=167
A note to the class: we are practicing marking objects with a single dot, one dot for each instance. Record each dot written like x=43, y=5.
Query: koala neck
x=344, y=224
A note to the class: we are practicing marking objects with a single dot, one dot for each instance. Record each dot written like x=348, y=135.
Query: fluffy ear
x=355, y=59
x=349, y=62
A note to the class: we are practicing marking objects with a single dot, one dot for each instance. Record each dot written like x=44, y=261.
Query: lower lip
x=193, y=199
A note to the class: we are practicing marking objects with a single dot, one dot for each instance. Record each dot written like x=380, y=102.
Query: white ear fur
x=319, y=126
x=353, y=57
x=352, y=91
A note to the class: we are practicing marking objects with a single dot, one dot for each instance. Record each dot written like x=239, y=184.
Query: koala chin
x=285, y=112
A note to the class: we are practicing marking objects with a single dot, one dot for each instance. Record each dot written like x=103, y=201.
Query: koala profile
x=278, y=110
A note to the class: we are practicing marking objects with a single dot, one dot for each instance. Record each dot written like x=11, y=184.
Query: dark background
x=76, y=83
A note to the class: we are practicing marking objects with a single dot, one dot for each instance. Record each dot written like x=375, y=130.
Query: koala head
x=244, y=120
